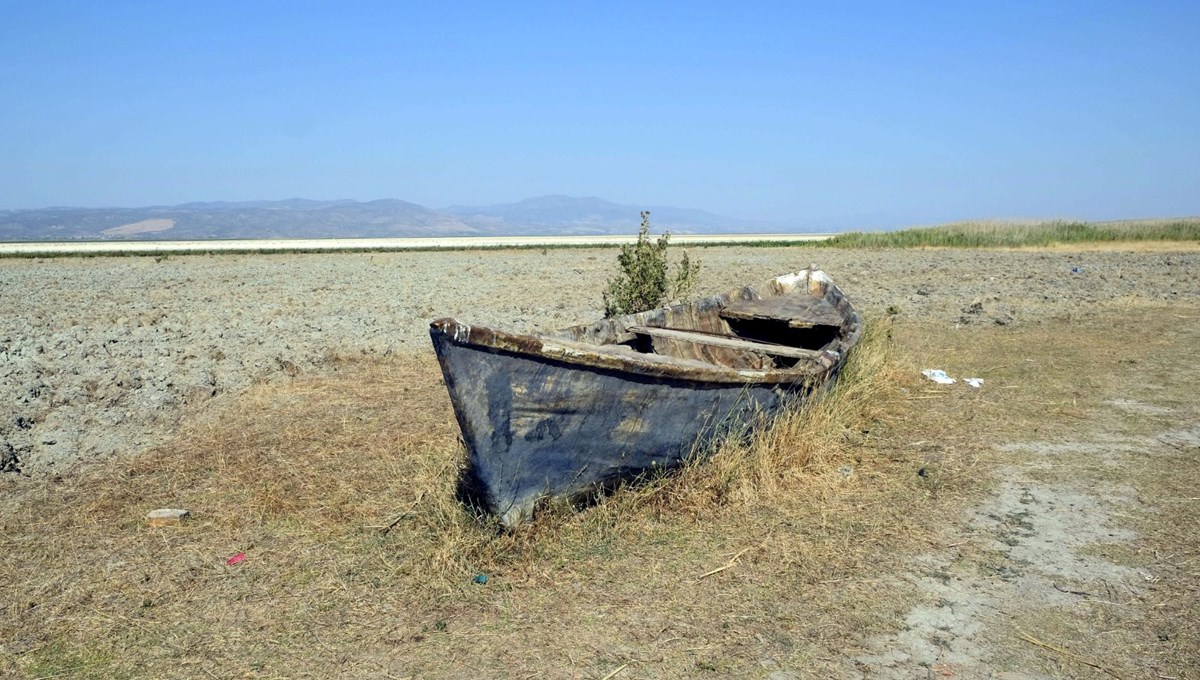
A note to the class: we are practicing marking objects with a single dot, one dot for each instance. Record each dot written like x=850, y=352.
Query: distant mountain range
x=304, y=218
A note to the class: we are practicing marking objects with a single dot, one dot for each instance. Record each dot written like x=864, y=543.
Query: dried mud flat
x=103, y=357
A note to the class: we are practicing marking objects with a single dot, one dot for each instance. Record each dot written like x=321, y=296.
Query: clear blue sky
x=863, y=115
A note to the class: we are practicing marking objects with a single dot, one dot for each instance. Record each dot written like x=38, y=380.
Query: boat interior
x=741, y=330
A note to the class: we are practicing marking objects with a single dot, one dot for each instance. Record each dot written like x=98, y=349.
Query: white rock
x=165, y=517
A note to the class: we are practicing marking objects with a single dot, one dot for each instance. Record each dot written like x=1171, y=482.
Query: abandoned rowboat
x=568, y=412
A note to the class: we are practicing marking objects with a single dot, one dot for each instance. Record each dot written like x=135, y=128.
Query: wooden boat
x=568, y=412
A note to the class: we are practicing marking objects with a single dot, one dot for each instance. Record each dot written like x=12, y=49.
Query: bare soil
x=101, y=356
x=1074, y=563
x=1042, y=525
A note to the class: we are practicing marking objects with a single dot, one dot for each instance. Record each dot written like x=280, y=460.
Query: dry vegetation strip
x=337, y=487
x=1022, y=234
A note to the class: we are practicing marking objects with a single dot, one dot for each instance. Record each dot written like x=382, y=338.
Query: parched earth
x=104, y=357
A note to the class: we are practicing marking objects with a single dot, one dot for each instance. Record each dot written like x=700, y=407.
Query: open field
x=1041, y=526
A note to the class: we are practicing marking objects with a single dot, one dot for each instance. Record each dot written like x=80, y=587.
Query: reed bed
x=997, y=234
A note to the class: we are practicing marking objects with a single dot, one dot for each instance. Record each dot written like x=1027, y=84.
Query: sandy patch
x=143, y=227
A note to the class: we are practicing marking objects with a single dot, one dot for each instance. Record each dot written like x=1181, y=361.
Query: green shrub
x=644, y=281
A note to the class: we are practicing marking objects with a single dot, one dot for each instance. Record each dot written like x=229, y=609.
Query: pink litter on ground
x=235, y=559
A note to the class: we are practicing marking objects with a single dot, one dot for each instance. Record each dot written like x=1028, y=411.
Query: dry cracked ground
x=1042, y=525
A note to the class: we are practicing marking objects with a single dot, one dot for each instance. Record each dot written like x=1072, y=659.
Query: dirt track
x=101, y=356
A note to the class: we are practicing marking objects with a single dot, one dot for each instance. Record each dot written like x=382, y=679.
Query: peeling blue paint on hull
x=534, y=428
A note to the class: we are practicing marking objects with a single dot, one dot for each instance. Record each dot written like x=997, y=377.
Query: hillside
x=305, y=218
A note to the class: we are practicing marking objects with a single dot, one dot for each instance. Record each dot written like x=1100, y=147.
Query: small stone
x=167, y=517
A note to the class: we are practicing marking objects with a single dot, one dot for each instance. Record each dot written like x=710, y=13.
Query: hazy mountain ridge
x=345, y=218
x=590, y=214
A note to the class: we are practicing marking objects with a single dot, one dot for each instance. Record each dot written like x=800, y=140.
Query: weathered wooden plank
x=551, y=345
x=711, y=354
x=799, y=311
x=726, y=342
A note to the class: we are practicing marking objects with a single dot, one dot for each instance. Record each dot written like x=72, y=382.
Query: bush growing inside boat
x=644, y=282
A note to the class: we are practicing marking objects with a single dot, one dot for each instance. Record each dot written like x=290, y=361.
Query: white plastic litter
x=974, y=382
x=938, y=376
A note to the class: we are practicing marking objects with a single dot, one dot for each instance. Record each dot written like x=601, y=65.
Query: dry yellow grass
x=1114, y=246
x=339, y=490
x=1056, y=384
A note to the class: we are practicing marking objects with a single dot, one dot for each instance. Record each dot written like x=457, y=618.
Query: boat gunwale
x=574, y=353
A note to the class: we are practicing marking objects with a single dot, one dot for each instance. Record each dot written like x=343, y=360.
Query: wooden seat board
x=797, y=310
x=726, y=342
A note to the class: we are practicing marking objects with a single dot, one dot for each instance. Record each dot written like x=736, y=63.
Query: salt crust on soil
x=102, y=356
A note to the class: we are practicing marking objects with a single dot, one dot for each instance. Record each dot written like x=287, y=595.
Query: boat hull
x=535, y=427
x=574, y=411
